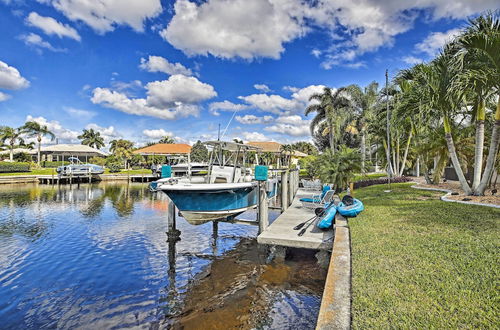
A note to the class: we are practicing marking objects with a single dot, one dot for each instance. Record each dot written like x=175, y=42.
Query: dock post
x=284, y=191
x=263, y=213
x=172, y=233
x=290, y=187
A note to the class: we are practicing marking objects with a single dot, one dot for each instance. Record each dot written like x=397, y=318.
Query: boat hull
x=206, y=204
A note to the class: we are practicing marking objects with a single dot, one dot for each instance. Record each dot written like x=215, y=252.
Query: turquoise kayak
x=326, y=219
x=352, y=210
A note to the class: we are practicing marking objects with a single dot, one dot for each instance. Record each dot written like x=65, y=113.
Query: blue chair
x=320, y=200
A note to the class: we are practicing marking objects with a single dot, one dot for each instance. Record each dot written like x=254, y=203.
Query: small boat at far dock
x=77, y=168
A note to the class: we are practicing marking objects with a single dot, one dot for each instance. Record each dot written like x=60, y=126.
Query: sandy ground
x=454, y=186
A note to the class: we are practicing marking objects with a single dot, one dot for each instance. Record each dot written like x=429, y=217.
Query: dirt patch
x=454, y=186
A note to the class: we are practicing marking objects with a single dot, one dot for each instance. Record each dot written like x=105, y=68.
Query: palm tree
x=167, y=140
x=13, y=137
x=305, y=147
x=481, y=41
x=287, y=150
x=339, y=168
x=35, y=129
x=330, y=107
x=92, y=138
x=364, y=99
x=122, y=149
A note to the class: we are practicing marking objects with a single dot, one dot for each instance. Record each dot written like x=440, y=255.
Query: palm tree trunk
x=332, y=146
x=394, y=169
x=454, y=158
x=479, y=145
x=492, y=154
x=397, y=154
x=11, y=154
x=363, y=150
x=406, y=153
x=388, y=157
x=39, y=147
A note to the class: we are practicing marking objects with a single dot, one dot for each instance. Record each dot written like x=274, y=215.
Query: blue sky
x=140, y=69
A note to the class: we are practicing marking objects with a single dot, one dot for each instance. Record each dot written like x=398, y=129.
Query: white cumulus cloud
x=63, y=135
x=10, y=78
x=433, y=43
x=255, y=137
x=104, y=15
x=237, y=28
x=34, y=40
x=52, y=27
x=292, y=125
x=262, y=88
x=178, y=96
x=4, y=97
x=251, y=119
x=161, y=64
x=225, y=105
x=107, y=133
x=156, y=133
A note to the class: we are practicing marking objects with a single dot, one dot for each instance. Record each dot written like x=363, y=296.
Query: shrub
x=98, y=161
x=47, y=164
x=371, y=182
x=11, y=167
x=114, y=167
x=22, y=157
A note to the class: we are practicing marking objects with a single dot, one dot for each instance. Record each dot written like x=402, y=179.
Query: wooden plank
x=281, y=231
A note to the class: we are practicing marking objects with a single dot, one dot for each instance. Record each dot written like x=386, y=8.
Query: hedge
x=53, y=164
x=371, y=182
x=10, y=167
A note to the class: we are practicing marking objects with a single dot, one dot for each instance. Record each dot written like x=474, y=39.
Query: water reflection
x=98, y=256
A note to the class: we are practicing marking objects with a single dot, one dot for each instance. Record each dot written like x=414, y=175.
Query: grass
x=49, y=171
x=419, y=262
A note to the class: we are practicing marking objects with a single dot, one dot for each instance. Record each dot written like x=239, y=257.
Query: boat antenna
x=229, y=123
x=218, y=134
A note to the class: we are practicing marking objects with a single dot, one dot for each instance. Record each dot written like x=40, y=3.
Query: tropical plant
x=35, y=129
x=287, y=152
x=92, y=138
x=479, y=49
x=167, y=140
x=122, y=149
x=12, y=138
x=306, y=147
x=364, y=100
x=199, y=152
x=339, y=168
x=330, y=107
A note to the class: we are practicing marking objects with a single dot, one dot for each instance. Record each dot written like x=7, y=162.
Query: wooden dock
x=55, y=179
x=281, y=231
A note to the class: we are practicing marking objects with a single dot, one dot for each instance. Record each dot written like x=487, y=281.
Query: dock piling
x=263, y=212
x=284, y=191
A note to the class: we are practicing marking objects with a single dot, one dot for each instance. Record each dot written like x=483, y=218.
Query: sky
x=144, y=69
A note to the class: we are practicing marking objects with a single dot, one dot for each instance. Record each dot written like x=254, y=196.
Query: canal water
x=97, y=257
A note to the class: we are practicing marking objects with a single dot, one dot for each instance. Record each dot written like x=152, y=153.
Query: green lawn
x=49, y=171
x=422, y=263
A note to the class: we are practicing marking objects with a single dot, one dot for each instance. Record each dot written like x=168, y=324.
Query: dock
x=55, y=179
x=281, y=232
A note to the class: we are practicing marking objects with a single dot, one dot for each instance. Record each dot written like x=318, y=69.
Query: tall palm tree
x=167, y=140
x=92, y=138
x=35, y=129
x=483, y=37
x=287, y=151
x=12, y=137
x=330, y=106
x=122, y=149
x=364, y=99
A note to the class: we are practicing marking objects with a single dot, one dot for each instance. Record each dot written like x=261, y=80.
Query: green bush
x=11, y=167
x=98, y=161
x=47, y=164
x=22, y=157
x=114, y=167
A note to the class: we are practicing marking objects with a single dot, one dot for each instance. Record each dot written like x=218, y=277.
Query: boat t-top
x=226, y=191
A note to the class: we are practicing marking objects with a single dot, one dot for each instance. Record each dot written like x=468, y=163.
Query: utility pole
x=389, y=164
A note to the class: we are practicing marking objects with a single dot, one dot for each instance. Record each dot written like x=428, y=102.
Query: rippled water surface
x=97, y=257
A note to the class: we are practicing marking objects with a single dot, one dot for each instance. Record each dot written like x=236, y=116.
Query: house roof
x=274, y=147
x=72, y=149
x=18, y=151
x=164, y=149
